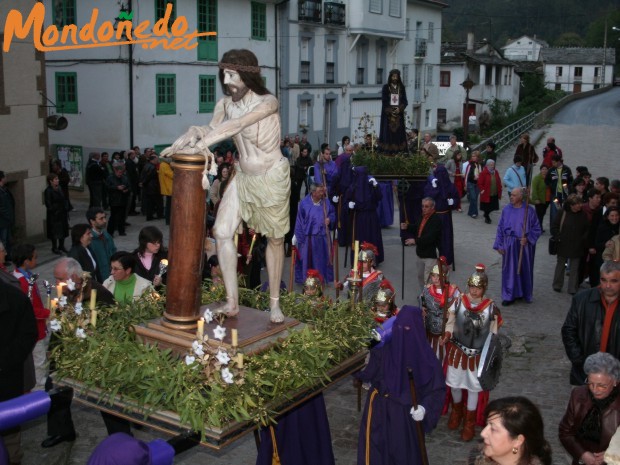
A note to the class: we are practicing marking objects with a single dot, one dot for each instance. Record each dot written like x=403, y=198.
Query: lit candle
x=252, y=244
x=200, y=332
x=240, y=360
x=93, y=299
x=93, y=318
x=54, y=304
x=59, y=289
x=49, y=301
x=356, y=250
x=234, y=337
x=236, y=241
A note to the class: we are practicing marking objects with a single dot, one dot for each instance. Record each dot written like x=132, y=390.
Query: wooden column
x=187, y=234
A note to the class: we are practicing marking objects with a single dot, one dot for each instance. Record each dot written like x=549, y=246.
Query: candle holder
x=31, y=281
x=354, y=284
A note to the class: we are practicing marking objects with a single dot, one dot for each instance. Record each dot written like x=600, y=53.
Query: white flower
x=223, y=357
x=55, y=325
x=208, y=315
x=62, y=301
x=197, y=348
x=227, y=376
x=189, y=359
x=80, y=333
x=70, y=285
x=219, y=332
x=78, y=308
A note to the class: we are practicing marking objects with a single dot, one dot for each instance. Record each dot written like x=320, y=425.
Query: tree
x=569, y=39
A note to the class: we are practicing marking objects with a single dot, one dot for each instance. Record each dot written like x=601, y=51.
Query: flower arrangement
x=215, y=388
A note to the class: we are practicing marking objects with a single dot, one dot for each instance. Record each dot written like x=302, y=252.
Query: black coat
x=582, y=330
x=428, y=242
x=117, y=197
x=57, y=213
x=574, y=234
x=18, y=335
x=79, y=253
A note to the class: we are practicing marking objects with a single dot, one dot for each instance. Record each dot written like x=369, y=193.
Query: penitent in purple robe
x=393, y=438
x=441, y=190
x=364, y=218
x=341, y=184
x=330, y=171
x=120, y=448
x=302, y=437
x=312, y=239
x=385, y=209
x=509, y=232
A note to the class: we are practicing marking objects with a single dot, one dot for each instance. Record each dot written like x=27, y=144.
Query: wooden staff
x=292, y=271
x=325, y=215
x=403, y=208
x=418, y=424
x=445, y=289
x=335, y=246
x=524, y=234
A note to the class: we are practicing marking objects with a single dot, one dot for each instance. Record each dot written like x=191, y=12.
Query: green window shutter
x=66, y=93
x=166, y=99
x=206, y=98
x=160, y=9
x=207, y=22
x=63, y=12
x=259, y=21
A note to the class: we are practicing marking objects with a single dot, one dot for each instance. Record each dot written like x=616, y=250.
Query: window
x=395, y=7
x=558, y=71
x=329, y=73
x=597, y=71
x=431, y=32
x=166, y=94
x=160, y=9
x=442, y=115
x=578, y=71
x=304, y=107
x=359, y=76
x=379, y=76
x=429, y=75
x=207, y=22
x=64, y=12
x=407, y=26
x=405, y=75
x=558, y=86
x=376, y=6
x=259, y=21
x=427, y=118
x=66, y=92
x=330, y=68
x=206, y=96
x=444, y=78
x=304, y=72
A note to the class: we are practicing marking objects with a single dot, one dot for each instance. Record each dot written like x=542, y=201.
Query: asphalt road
x=587, y=130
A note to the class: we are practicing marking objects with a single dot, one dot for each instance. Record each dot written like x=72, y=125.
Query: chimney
x=470, y=42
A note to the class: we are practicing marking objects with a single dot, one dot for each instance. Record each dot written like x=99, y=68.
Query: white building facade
x=525, y=48
x=577, y=69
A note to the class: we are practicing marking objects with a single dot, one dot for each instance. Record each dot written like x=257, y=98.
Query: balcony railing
x=309, y=11
x=334, y=13
x=420, y=48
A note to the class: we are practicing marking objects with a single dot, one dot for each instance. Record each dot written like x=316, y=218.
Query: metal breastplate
x=434, y=313
x=471, y=329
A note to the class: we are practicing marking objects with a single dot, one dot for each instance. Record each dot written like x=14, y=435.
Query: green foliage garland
x=378, y=165
x=111, y=359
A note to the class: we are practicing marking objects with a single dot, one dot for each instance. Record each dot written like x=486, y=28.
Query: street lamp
x=613, y=28
x=467, y=85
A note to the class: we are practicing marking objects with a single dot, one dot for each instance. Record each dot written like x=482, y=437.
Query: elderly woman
x=490, y=185
x=593, y=411
x=514, y=434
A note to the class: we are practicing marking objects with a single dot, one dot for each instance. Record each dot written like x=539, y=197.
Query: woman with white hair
x=593, y=412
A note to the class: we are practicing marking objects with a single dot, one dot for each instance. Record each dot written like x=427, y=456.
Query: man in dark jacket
x=592, y=324
x=7, y=213
x=427, y=238
x=18, y=335
x=117, y=185
x=95, y=177
x=151, y=193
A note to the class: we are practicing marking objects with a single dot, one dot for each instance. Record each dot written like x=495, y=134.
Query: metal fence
x=509, y=134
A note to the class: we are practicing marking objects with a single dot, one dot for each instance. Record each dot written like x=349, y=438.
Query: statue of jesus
x=260, y=189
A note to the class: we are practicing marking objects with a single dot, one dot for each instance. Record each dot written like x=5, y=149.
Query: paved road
x=536, y=366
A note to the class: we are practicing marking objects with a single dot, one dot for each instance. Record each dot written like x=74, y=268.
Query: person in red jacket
x=25, y=259
x=490, y=185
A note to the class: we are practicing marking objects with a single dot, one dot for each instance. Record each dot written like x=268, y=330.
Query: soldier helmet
x=368, y=253
x=385, y=294
x=444, y=266
x=479, y=277
x=314, y=281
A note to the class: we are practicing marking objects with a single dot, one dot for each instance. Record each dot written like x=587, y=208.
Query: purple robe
x=412, y=198
x=508, y=239
x=385, y=209
x=364, y=218
x=393, y=438
x=302, y=437
x=331, y=174
x=445, y=190
x=312, y=239
x=120, y=448
x=342, y=182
